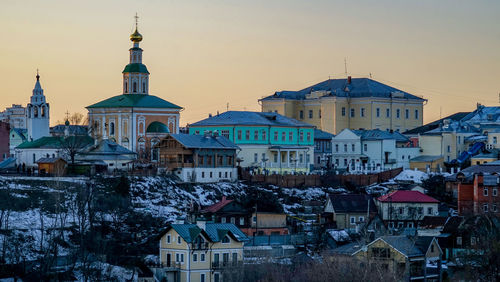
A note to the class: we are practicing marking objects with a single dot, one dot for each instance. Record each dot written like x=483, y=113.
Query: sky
x=206, y=55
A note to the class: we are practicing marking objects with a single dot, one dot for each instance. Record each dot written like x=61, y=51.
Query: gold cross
x=136, y=20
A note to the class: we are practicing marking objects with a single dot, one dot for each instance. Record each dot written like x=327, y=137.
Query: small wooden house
x=52, y=166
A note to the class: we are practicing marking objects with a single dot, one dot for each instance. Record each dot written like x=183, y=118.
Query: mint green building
x=267, y=140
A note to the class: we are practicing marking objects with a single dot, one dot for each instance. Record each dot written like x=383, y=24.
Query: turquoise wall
x=269, y=134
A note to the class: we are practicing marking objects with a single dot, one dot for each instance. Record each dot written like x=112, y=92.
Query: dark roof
x=320, y=134
x=193, y=141
x=136, y=101
x=56, y=142
x=217, y=206
x=358, y=88
x=435, y=124
x=250, y=118
x=426, y=158
x=72, y=129
x=157, y=127
x=106, y=147
x=135, y=67
x=402, y=196
x=433, y=221
x=214, y=231
x=49, y=160
x=351, y=203
x=403, y=244
x=452, y=224
x=377, y=134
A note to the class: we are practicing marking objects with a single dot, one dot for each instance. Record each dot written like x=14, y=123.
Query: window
x=34, y=158
x=168, y=239
x=459, y=241
x=134, y=87
x=178, y=239
x=264, y=136
x=177, y=258
x=225, y=240
x=223, y=220
x=337, y=148
x=195, y=257
x=430, y=211
x=275, y=157
x=247, y=134
x=362, y=112
x=345, y=147
x=485, y=192
x=458, y=141
x=202, y=277
x=255, y=157
x=264, y=159
x=353, y=147
x=301, y=114
x=197, y=132
x=144, y=87
x=495, y=192
x=301, y=136
x=494, y=139
x=239, y=134
x=353, y=220
x=407, y=114
x=448, y=149
x=308, y=158
x=377, y=112
x=365, y=147
x=233, y=220
x=290, y=136
x=416, y=114
x=202, y=257
x=473, y=241
x=381, y=253
x=308, y=136
x=301, y=158
x=202, y=174
x=276, y=136
x=310, y=114
x=319, y=113
x=485, y=207
x=112, y=128
x=345, y=162
x=398, y=113
x=361, y=219
x=242, y=221
x=401, y=210
x=494, y=208
x=235, y=257
x=254, y=219
x=388, y=113
x=211, y=174
x=343, y=111
x=410, y=225
x=182, y=257
x=353, y=113
x=216, y=277
x=283, y=136
x=432, y=248
x=256, y=135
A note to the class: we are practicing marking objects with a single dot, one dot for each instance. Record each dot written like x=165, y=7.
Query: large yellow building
x=353, y=103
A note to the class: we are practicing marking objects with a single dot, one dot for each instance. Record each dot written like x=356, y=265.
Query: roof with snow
x=217, y=206
x=402, y=196
x=377, y=134
x=435, y=124
x=193, y=141
x=351, y=203
x=409, y=247
x=214, y=231
x=250, y=118
x=357, y=88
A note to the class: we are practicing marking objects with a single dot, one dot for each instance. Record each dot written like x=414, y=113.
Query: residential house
x=52, y=166
x=200, y=252
x=49, y=147
x=17, y=137
x=4, y=140
x=198, y=158
x=405, y=256
x=228, y=211
x=372, y=150
x=353, y=103
x=107, y=153
x=268, y=141
x=426, y=163
x=267, y=223
x=400, y=209
x=349, y=211
x=322, y=149
x=15, y=116
x=488, y=155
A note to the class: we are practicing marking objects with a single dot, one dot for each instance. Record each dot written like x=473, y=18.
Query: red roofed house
x=401, y=209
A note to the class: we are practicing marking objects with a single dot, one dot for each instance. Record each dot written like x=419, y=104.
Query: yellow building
x=353, y=103
x=200, y=252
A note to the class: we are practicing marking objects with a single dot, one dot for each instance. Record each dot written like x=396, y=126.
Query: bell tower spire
x=135, y=74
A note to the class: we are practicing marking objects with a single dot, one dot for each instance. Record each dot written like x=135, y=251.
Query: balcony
x=223, y=264
x=171, y=266
x=287, y=165
x=199, y=246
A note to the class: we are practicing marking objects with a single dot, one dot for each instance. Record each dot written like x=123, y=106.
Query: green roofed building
x=135, y=119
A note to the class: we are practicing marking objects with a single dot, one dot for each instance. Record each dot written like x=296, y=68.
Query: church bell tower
x=37, y=113
x=135, y=74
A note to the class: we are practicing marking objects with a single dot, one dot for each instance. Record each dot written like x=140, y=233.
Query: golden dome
x=136, y=37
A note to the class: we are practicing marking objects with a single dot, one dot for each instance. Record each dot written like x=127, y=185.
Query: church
x=134, y=119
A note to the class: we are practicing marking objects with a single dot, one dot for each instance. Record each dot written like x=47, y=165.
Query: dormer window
x=225, y=240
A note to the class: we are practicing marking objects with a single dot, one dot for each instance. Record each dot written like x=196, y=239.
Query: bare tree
x=71, y=145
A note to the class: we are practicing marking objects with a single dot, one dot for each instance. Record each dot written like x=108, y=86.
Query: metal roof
x=320, y=134
x=134, y=100
x=215, y=231
x=204, y=142
x=351, y=203
x=56, y=142
x=250, y=118
x=358, y=88
x=377, y=134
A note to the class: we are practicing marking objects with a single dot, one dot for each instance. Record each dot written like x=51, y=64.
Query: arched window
x=43, y=111
x=134, y=87
x=126, y=87
x=112, y=128
x=154, y=150
x=144, y=87
x=36, y=111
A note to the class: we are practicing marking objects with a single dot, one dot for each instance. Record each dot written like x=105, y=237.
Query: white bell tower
x=37, y=113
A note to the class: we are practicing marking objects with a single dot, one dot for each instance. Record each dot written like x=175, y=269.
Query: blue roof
x=359, y=87
x=204, y=142
x=250, y=118
x=320, y=134
x=377, y=134
x=214, y=231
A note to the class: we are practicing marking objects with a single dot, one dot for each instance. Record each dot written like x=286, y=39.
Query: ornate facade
x=134, y=119
x=38, y=114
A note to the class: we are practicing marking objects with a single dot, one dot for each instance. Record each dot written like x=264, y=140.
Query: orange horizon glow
x=203, y=55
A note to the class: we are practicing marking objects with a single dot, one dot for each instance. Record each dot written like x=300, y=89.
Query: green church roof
x=157, y=127
x=134, y=100
x=56, y=142
x=136, y=67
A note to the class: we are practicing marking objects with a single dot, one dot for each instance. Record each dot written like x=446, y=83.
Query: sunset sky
x=205, y=54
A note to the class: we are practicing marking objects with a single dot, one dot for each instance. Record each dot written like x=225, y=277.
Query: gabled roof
x=215, y=232
x=250, y=118
x=217, y=206
x=402, y=196
x=358, y=88
x=192, y=141
x=343, y=203
x=435, y=124
x=377, y=134
x=49, y=160
x=56, y=142
x=320, y=134
x=21, y=132
x=72, y=129
x=403, y=244
x=106, y=147
x=134, y=100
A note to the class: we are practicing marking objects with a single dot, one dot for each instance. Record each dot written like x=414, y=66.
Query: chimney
x=349, y=79
x=210, y=115
x=223, y=199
